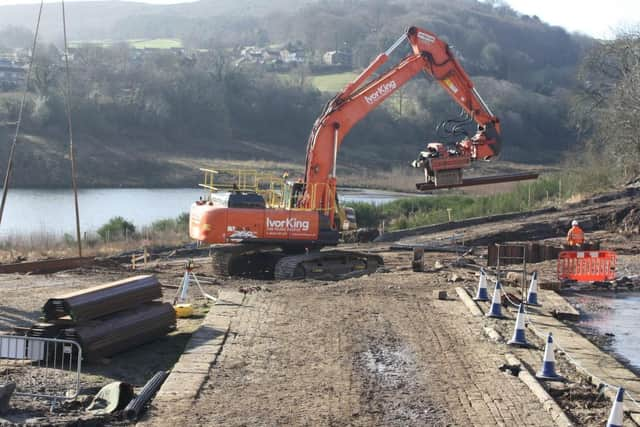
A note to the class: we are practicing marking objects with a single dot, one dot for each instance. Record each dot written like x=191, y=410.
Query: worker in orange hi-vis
x=575, y=236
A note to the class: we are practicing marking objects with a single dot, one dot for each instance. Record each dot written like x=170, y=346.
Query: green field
x=155, y=43
x=332, y=82
x=135, y=43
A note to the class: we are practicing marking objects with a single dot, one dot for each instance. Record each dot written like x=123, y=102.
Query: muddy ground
x=379, y=350
x=24, y=295
x=375, y=350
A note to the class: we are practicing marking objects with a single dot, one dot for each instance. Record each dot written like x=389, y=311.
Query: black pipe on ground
x=148, y=391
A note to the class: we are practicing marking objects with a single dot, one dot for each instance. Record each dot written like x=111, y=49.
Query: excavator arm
x=430, y=55
x=447, y=71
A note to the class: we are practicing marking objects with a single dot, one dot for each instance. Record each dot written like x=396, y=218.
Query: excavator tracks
x=220, y=259
x=327, y=265
x=244, y=261
x=271, y=263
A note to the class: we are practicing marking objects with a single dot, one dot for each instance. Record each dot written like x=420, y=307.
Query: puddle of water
x=613, y=313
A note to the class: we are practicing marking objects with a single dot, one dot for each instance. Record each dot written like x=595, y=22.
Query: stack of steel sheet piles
x=120, y=331
x=109, y=318
x=104, y=299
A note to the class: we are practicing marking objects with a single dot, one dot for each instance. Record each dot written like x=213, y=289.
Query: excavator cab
x=238, y=199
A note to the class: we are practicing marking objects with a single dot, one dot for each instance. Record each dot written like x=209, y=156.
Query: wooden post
x=417, y=264
x=560, y=189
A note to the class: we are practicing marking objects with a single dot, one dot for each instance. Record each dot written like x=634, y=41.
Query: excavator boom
x=430, y=55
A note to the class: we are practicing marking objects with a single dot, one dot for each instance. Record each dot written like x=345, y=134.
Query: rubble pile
x=630, y=224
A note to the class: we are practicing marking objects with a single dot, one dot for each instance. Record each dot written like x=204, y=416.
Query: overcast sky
x=596, y=18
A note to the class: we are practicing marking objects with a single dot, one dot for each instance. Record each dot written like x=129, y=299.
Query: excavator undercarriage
x=270, y=262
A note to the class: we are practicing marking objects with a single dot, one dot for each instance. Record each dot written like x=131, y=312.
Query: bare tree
x=607, y=106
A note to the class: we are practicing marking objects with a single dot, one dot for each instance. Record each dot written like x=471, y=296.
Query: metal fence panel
x=41, y=367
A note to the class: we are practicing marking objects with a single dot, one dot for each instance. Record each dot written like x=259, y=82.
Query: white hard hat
x=574, y=223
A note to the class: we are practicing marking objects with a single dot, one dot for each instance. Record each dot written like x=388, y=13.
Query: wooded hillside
x=140, y=116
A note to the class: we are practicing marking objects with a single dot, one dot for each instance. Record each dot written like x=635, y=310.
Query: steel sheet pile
x=109, y=318
x=534, y=252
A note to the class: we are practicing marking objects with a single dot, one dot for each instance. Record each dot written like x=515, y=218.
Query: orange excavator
x=284, y=241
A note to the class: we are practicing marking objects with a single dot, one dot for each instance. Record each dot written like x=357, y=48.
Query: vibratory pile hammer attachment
x=443, y=167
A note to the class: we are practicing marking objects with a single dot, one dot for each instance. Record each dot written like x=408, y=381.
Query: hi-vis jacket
x=575, y=236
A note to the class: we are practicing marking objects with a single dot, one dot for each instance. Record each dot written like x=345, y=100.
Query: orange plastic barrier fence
x=587, y=266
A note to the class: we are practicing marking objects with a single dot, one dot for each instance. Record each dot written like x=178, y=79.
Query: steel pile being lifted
x=481, y=180
x=109, y=318
x=101, y=300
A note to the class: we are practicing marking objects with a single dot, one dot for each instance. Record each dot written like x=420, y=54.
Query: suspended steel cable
x=71, y=152
x=7, y=176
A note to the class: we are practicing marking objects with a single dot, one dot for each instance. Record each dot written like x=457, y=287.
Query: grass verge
x=116, y=236
x=332, y=82
x=549, y=190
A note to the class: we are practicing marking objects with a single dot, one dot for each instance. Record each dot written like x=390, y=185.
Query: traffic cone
x=518, y=333
x=548, y=371
x=496, y=309
x=616, y=415
x=482, y=294
x=532, y=296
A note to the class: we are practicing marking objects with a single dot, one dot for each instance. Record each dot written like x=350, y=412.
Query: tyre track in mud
x=392, y=393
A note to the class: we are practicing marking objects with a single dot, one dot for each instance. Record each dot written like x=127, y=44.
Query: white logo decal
x=239, y=235
x=289, y=224
x=426, y=37
x=381, y=91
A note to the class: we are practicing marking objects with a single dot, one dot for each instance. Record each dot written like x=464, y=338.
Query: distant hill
x=93, y=20
x=167, y=109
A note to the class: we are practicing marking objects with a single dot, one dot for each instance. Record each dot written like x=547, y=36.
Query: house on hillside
x=274, y=58
x=12, y=74
x=254, y=54
x=337, y=57
x=291, y=57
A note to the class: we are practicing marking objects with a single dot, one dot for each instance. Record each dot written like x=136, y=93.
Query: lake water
x=51, y=211
x=617, y=314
